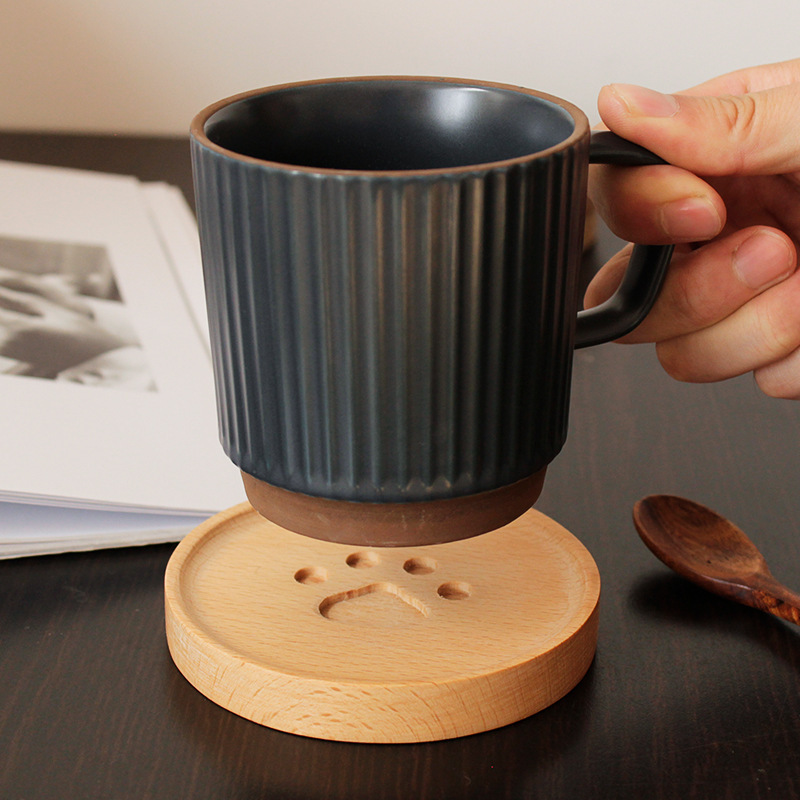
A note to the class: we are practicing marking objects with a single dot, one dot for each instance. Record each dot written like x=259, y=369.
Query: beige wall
x=146, y=66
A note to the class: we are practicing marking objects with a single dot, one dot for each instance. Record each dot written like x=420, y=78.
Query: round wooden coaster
x=386, y=644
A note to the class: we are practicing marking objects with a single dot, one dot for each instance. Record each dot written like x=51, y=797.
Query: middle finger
x=706, y=285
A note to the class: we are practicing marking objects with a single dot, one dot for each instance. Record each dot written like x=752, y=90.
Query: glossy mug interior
x=391, y=272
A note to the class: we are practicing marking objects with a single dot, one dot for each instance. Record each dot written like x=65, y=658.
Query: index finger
x=745, y=134
x=750, y=79
x=19, y=302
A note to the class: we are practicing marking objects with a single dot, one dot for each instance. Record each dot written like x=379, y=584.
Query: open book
x=107, y=413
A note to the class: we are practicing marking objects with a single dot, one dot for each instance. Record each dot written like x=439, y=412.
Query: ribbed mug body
x=392, y=335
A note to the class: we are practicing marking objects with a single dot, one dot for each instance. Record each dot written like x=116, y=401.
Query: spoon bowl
x=712, y=552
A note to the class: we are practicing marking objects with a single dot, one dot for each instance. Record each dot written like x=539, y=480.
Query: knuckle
x=742, y=112
x=776, y=323
x=778, y=337
x=740, y=115
x=690, y=308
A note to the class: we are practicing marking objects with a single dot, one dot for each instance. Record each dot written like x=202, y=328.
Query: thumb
x=747, y=134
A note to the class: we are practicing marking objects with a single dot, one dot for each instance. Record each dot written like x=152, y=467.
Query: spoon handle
x=769, y=595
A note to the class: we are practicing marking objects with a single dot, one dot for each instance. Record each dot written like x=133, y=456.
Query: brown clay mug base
x=394, y=524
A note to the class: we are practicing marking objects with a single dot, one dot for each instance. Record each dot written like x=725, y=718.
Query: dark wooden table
x=689, y=696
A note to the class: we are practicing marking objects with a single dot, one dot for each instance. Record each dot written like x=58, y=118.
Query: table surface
x=689, y=696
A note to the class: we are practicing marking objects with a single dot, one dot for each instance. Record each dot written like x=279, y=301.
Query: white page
x=99, y=444
x=174, y=222
x=26, y=525
x=81, y=541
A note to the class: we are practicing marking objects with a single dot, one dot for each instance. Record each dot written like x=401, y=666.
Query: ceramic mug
x=391, y=269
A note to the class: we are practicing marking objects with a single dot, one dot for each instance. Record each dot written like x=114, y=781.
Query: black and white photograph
x=103, y=362
x=62, y=316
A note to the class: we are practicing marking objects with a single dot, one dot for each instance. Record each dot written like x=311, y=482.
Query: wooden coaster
x=385, y=644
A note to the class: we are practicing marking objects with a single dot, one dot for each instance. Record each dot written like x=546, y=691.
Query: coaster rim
x=198, y=653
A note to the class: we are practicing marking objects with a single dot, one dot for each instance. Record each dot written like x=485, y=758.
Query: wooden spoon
x=712, y=552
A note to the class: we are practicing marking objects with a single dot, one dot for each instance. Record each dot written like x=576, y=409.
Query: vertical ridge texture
x=391, y=339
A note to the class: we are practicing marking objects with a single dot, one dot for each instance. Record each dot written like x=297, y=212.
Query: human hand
x=41, y=330
x=731, y=202
x=56, y=287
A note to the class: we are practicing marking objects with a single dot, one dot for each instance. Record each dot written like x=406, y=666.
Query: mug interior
x=389, y=125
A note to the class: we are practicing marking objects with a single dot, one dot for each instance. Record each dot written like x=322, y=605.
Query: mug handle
x=643, y=279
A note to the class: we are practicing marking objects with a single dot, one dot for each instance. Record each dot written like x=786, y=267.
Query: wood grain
x=386, y=644
x=712, y=552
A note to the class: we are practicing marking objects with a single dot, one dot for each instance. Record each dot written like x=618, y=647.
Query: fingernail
x=691, y=219
x=642, y=102
x=762, y=260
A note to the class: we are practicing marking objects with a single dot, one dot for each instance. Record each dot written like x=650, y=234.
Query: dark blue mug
x=391, y=269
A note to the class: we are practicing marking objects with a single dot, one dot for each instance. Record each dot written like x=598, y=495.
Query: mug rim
x=580, y=130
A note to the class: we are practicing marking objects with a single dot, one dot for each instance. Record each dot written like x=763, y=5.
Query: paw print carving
x=377, y=588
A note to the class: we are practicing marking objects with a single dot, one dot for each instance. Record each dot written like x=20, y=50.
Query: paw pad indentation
x=379, y=597
x=420, y=566
x=311, y=575
x=383, y=602
x=363, y=559
x=454, y=590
